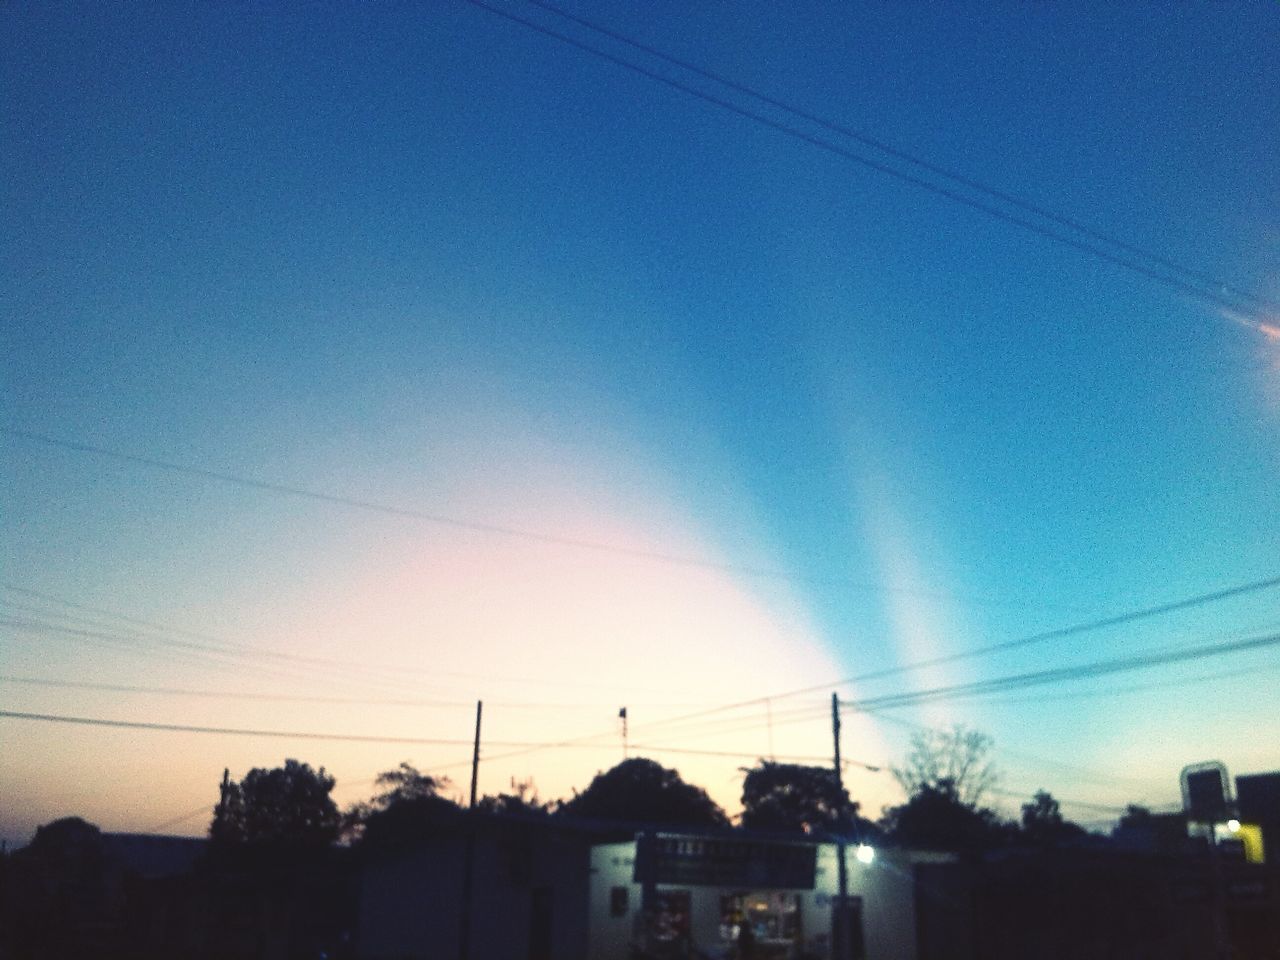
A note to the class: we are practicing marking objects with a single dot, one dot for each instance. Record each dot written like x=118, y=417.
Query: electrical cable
x=283, y=698
x=1137, y=687
x=1088, y=626
x=346, y=737
x=477, y=526
x=1082, y=804
x=877, y=704
x=900, y=154
x=1187, y=288
x=243, y=732
x=1061, y=674
x=212, y=645
x=226, y=694
x=204, y=808
x=1077, y=771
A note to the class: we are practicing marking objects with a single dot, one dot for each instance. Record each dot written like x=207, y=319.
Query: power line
x=360, y=738
x=185, y=652
x=224, y=694
x=280, y=698
x=1139, y=687
x=756, y=754
x=1075, y=770
x=1083, y=805
x=210, y=644
x=729, y=726
x=204, y=808
x=900, y=154
x=1062, y=674
x=665, y=725
x=1088, y=626
x=1187, y=288
x=492, y=529
x=242, y=732
x=239, y=660
x=1055, y=634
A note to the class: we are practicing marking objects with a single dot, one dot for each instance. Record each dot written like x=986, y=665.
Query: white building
x=705, y=889
x=547, y=891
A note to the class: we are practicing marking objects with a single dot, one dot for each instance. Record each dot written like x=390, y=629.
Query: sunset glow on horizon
x=364, y=364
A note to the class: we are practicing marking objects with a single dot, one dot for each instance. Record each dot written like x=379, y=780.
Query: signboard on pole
x=1206, y=792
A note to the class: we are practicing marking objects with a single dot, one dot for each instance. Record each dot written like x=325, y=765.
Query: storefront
x=685, y=896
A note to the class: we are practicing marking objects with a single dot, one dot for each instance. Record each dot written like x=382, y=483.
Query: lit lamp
x=864, y=853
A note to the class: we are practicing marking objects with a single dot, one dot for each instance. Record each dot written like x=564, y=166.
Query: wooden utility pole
x=475, y=755
x=840, y=932
x=469, y=855
x=768, y=713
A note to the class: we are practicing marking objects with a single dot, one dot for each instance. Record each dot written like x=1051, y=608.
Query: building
x=680, y=895
x=579, y=891
x=528, y=893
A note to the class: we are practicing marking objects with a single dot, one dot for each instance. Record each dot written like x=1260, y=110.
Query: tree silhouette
x=795, y=798
x=57, y=893
x=408, y=810
x=406, y=782
x=642, y=791
x=959, y=757
x=228, y=816
x=936, y=818
x=523, y=801
x=284, y=805
x=1042, y=821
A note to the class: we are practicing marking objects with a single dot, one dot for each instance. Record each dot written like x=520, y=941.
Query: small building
x=528, y=893
x=734, y=895
x=578, y=891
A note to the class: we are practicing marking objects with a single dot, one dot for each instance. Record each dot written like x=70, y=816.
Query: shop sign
x=724, y=862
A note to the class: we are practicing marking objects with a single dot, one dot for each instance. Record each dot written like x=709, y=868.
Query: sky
x=677, y=411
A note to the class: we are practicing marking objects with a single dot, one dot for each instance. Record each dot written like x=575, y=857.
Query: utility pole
x=840, y=932
x=768, y=713
x=475, y=755
x=622, y=715
x=469, y=856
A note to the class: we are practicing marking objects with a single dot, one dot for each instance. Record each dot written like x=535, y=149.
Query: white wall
x=609, y=937
x=886, y=886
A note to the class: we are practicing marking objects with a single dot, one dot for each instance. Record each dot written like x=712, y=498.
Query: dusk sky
x=719, y=415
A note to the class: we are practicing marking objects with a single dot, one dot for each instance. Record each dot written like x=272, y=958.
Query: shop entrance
x=761, y=925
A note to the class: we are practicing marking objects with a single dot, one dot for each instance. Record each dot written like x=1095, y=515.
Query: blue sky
x=426, y=257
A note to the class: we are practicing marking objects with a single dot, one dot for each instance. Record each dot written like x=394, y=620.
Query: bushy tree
x=406, y=782
x=935, y=817
x=408, y=809
x=522, y=801
x=794, y=798
x=639, y=790
x=1042, y=821
x=56, y=894
x=287, y=805
x=227, y=827
x=960, y=757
